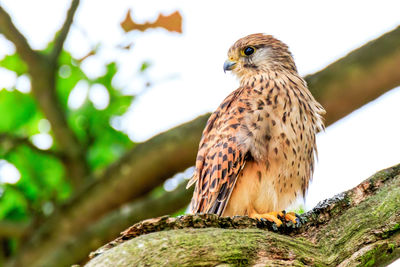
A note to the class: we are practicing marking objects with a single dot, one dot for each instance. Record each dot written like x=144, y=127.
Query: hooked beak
x=228, y=65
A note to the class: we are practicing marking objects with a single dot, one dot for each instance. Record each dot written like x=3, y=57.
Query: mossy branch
x=357, y=227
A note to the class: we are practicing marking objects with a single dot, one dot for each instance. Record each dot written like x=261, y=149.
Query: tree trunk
x=357, y=227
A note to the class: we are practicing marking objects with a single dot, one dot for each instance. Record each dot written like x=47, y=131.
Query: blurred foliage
x=23, y=109
x=43, y=178
x=14, y=63
x=42, y=181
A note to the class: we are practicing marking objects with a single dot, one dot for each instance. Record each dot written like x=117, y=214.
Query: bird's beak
x=228, y=65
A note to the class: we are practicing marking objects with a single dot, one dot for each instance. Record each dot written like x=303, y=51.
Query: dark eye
x=248, y=50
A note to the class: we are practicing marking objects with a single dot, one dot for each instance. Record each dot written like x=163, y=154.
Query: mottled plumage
x=257, y=151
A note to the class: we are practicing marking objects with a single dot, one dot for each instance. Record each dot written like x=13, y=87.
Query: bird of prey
x=256, y=155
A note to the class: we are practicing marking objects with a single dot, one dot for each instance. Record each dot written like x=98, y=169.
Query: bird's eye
x=248, y=50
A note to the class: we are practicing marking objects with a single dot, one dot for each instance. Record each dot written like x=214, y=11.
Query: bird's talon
x=291, y=216
x=271, y=216
x=289, y=219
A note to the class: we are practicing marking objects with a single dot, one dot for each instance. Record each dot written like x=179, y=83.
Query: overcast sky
x=186, y=70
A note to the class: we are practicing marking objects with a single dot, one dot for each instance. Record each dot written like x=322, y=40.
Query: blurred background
x=90, y=90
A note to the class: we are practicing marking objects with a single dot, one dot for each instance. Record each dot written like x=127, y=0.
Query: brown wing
x=219, y=160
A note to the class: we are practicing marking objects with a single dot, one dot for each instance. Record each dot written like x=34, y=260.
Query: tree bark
x=357, y=227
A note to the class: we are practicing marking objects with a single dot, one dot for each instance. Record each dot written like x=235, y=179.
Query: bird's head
x=257, y=53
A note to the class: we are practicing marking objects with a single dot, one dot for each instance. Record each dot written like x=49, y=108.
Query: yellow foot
x=270, y=216
x=291, y=216
x=276, y=217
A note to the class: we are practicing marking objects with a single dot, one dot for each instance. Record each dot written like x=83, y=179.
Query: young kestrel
x=256, y=155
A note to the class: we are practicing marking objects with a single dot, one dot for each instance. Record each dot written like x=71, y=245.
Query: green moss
x=391, y=231
x=368, y=259
x=370, y=263
x=205, y=247
x=382, y=253
x=232, y=247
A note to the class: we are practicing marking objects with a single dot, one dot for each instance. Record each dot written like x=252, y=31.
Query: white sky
x=187, y=71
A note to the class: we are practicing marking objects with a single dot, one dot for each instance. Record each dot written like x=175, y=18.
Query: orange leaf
x=172, y=23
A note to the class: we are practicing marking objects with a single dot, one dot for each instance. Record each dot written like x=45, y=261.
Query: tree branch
x=359, y=77
x=13, y=229
x=44, y=89
x=11, y=32
x=63, y=32
x=357, y=227
x=9, y=142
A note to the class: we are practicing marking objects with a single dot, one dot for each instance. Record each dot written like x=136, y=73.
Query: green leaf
x=119, y=104
x=16, y=110
x=107, y=148
x=106, y=79
x=145, y=65
x=14, y=63
x=13, y=205
x=65, y=84
x=42, y=176
x=93, y=128
x=109, y=144
x=105, y=144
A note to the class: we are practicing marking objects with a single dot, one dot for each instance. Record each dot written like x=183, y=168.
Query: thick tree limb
x=150, y=163
x=359, y=77
x=42, y=70
x=358, y=227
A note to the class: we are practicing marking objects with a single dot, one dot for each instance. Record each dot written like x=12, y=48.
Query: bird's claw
x=277, y=219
